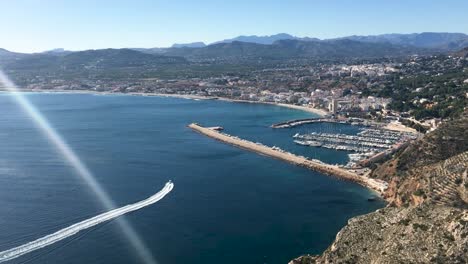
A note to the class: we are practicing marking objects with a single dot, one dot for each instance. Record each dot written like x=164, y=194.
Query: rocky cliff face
x=427, y=217
x=422, y=234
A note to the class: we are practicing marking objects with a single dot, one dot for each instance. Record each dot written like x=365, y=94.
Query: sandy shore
x=320, y=112
x=399, y=127
x=316, y=111
x=292, y=158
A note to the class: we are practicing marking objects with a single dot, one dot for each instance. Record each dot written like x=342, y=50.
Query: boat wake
x=88, y=223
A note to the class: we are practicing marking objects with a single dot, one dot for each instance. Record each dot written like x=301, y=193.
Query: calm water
x=228, y=205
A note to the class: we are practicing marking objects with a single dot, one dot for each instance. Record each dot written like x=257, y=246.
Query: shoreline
x=319, y=112
x=400, y=127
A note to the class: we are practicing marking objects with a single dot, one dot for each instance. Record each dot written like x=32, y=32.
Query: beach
x=320, y=112
x=399, y=127
x=317, y=111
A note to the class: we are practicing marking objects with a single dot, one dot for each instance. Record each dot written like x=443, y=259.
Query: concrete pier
x=277, y=153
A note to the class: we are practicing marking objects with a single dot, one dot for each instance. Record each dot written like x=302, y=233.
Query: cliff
x=422, y=234
x=427, y=217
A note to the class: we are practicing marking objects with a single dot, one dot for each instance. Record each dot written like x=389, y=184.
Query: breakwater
x=299, y=122
x=278, y=153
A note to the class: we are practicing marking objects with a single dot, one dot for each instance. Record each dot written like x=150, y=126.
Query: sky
x=39, y=25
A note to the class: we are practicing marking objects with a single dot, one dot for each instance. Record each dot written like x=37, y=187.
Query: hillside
x=427, y=218
x=431, y=168
x=431, y=40
x=461, y=53
x=132, y=62
x=8, y=56
x=287, y=49
x=423, y=234
x=92, y=59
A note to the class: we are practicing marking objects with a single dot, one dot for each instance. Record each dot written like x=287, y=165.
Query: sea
x=228, y=205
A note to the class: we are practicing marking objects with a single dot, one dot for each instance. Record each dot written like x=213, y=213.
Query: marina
x=278, y=153
x=300, y=122
x=368, y=143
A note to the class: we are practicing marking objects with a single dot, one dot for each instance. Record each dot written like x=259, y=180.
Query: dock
x=300, y=122
x=278, y=153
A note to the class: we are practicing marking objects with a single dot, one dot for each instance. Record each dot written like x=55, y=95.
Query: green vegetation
x=419, y=192
x=420, y=226
x=404, y=222
x=445, y=96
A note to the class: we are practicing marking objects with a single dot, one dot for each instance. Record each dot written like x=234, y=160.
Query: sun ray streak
x=66, y=151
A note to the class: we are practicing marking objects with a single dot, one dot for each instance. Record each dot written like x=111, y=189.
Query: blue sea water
x=228, y=205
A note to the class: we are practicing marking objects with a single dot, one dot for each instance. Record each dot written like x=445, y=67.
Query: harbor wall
x=289, y=157
x=299, y=122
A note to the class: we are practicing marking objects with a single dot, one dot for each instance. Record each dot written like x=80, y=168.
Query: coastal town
x=416, y=92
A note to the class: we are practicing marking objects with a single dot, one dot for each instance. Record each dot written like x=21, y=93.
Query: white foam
x=75, y=228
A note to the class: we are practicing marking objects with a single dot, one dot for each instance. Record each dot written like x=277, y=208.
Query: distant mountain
x=117, y=58
x=431, y=40
x=291, y=48
x=58, y=51
x=150, y=50
x=8, y=56
x=92, y=60
x=266, y=40
x=443, y=41
x=3, y=51
x=189, y=45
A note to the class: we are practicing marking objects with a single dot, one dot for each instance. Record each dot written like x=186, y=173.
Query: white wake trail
x=75, y=228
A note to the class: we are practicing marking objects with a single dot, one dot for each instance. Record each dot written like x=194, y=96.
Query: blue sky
x=37, y=25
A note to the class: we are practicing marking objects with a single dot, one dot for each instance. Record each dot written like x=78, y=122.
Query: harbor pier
x=300, y=122
x=278, y=153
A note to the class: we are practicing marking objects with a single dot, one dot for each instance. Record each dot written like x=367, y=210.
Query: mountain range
x=292, y=48
x=284, y=45
x=242, y=48
x=443, y=41
x=266, y=40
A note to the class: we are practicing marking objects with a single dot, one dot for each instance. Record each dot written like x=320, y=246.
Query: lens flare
x=85, y=174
